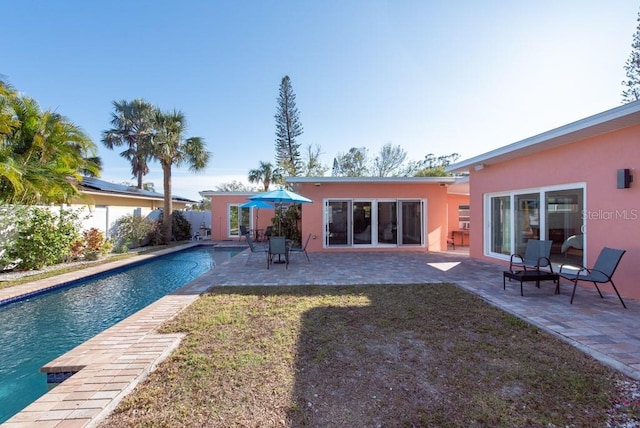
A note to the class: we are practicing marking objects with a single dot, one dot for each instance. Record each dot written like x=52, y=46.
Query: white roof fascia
x=370, y=179
x=209, y=193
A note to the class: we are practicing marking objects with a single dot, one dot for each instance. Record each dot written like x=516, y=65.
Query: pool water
x=37, y=330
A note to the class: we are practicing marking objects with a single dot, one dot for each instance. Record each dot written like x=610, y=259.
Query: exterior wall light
x=624, y=178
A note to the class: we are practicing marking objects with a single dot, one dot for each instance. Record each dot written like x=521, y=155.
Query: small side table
x=531, y=275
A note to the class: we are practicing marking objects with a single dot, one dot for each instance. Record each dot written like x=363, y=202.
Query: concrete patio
x=109, y=365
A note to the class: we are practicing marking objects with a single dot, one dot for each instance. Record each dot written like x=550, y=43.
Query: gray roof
x=92, y=184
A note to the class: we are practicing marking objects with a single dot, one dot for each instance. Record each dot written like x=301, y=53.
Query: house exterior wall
x=220, y=214
x=434, y=195
x=612, y=215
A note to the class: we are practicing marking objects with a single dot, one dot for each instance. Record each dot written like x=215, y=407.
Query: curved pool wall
x=39, y=328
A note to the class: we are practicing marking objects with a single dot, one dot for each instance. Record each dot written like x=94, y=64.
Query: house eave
x=592, y=126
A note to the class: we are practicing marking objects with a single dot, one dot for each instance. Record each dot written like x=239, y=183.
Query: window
x=238, y=216
x=463, y=217
x=550, y=214
x=374, y=222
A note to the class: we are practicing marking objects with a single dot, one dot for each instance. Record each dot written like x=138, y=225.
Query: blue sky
x=431, y=76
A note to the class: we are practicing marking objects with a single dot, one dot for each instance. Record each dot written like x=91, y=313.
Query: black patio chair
x=601, y=273
x=255, y=249
x=536, y=256
x=302, y=249
x=278, y=246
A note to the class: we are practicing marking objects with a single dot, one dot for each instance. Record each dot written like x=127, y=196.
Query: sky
x=433, y=77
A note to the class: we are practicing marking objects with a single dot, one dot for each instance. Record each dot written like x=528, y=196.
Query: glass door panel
x=337, y=223
x=362, y=223
x=501, y=225
x=564, y=225
x=387, y=223
x=527, y=220
x=411, y=223
x=238, y=216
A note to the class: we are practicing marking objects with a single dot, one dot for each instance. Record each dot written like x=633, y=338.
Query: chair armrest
x=548, y=263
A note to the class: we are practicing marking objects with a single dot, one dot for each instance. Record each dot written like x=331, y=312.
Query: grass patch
x=418, y=355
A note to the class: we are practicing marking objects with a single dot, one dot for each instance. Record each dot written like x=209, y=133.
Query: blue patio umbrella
x=281, y=196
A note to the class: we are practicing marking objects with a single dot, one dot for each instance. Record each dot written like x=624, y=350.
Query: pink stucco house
x=227, y=214
x=562, y=185
x=373, y=214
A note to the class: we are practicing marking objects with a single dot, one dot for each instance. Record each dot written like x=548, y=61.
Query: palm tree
x=132, y=127
x=170, y=148
x=265, y=173
x=42, y=154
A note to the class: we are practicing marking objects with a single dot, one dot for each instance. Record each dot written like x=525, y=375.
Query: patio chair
x=243, y=230
x=302, y=249
x=255, y=249
x=278, y=246
x=602, y=272
x=536, y=256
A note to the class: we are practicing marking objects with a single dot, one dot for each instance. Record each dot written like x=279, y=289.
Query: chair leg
x=575, y=284
x=598, y=288
x=619, y=297
x=305, y=253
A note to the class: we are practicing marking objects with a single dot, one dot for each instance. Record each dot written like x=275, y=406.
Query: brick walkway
x=112, y=363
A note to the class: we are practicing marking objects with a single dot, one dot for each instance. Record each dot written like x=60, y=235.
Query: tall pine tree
x=632, y=69
x=288, y=128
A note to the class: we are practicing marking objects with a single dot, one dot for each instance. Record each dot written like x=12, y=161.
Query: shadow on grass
x=382, y=355
x=434, y=355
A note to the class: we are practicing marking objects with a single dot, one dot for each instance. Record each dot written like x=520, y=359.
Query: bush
x=180, y=228
x=131, y=231
x=43, y=238
x=92, y=245
x=9, y=215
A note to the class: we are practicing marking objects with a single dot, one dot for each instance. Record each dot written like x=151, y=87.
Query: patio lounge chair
x=278, y=247
x=536, y=256
x=255, y=249
x=602, y=271
x=302, y=249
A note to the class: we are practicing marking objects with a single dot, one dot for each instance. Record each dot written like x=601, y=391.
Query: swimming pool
x=37, y=330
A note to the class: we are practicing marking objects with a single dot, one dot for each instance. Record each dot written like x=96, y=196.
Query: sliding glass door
x=374, y=223
x=553, y=214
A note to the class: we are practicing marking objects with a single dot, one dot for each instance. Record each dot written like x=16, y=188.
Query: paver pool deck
x=111, y=364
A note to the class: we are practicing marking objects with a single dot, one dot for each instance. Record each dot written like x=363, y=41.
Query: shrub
x=93, y=244
x=43, y=238
x=130, y=231
x=180, y=228
x=9, y=215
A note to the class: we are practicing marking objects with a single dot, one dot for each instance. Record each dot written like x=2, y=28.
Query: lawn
x=417, y=355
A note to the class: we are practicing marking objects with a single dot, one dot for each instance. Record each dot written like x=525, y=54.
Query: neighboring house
x=227, y=215
x=106, y=202
x=403, y=213
x=562, y=185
